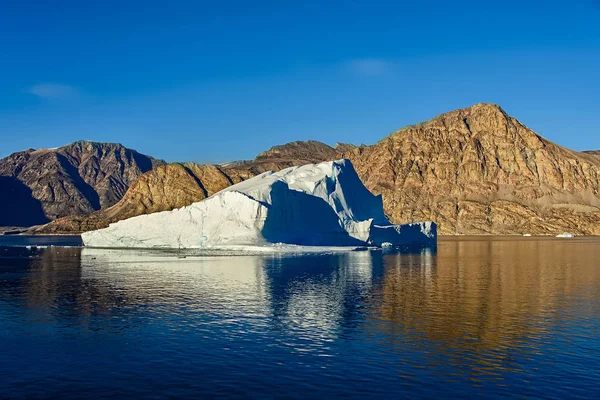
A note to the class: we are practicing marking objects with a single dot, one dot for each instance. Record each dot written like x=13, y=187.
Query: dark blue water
x=479, y=317
x=40, y=240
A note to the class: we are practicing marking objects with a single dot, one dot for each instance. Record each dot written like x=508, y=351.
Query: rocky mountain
x=344, y=147
x=291, y=154
x=79, y=178
x=479, y=171
x=473, y=171
x=176, y=185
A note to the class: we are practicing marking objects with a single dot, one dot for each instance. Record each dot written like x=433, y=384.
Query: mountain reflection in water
x=504, y=316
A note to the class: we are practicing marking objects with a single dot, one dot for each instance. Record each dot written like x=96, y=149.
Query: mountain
x=78, y=178
x=176, y=185
x=479, y=171
x=474, y=171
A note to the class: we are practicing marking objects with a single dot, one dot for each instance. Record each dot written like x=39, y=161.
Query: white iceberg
x=565, y=235
x=322, y=204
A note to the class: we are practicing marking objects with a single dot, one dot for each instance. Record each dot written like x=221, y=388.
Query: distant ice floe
x=565, y=235
x=294, y=209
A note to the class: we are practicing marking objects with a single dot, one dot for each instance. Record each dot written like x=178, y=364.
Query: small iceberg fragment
x=565, y=235
x=527, y=234
x=322, y=204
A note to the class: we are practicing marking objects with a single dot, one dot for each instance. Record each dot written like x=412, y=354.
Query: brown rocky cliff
x=172, y=186
x=109, y=168
x=479, y=171
x=74, y=179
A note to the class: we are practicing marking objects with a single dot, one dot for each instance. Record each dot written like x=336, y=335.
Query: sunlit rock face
x=322, y=204
x=479, y=171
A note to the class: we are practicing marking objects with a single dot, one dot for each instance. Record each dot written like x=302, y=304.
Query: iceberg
x=565, y=235
x=322, y=204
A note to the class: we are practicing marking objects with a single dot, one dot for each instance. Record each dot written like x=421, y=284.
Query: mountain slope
x=74, y=179
x=479, y=171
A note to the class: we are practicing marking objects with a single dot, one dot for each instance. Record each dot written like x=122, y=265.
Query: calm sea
x=489, y=317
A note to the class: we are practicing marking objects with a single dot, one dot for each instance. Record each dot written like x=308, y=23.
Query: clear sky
x=213, y=81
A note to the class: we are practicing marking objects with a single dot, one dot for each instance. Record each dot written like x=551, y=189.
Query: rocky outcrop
x=479, y=171
x=307, y=152
x=75, y=179
x=344, y=147
x=292, y=154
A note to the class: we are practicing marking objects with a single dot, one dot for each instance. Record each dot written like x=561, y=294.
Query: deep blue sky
x=224, y=80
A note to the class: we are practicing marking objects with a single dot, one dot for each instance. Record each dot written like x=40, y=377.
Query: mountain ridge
x=76, y=178
x=474, y=170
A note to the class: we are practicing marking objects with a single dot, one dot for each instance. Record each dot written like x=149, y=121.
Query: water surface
x=494, y=317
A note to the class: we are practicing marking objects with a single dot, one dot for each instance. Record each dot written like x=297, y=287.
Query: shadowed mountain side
x=479, y=171
x=78, y=178
x=17, y=206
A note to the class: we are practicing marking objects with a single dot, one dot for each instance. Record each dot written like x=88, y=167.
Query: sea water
x=493, y=317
